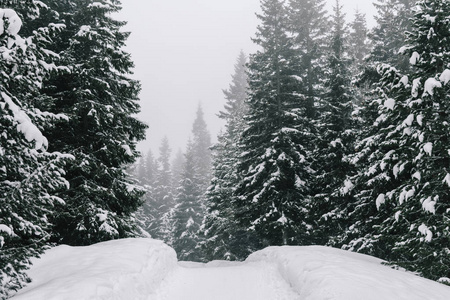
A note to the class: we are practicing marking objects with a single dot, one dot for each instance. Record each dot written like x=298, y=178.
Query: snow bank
x=146, y=269
x=120, y=269
x=319, y=273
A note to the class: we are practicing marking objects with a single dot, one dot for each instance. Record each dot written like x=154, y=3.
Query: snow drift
x=130, y=269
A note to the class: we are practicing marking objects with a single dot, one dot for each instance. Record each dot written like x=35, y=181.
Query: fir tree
x=200, y=147
x=224, y=238
x=177, y=169
x=404, y=192
x=393, y=23
x=101, y=132
x=188, y=212
x=273, y=193
x=29, y=174
x=335, y=143
x=358, y=43
x=162, y=196
x=308, y=26
x=146, y=175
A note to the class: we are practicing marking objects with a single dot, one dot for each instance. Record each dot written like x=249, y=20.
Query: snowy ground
x=134, y=269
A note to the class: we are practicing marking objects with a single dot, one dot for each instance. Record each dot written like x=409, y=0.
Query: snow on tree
x=358, y=43
x=163, y=194
x=273, y=193
x=29, y=174
x=188, y=213
x=402, y=206
x=177, y=169
x=393, y=22
x=223, y=237
x=201, y=153
x=308, y=26
x=335, y=143
x=146, y=171
x=101, y=131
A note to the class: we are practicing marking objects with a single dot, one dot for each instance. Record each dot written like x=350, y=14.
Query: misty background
x=184, y=53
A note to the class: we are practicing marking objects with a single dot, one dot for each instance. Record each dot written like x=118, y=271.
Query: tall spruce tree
x=29, y=174
x=201, y=143
x=188, y=212
x=101, y=131
x=336, y=141
x=163, y=195
x=403, y=195
x=273, y=193
x=177, y=169
x=358, y=43
x=308, y=26
x=223, y=237
x=146, y=174
x=393, y=23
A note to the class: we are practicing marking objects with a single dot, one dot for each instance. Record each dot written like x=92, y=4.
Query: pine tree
x=335, y=143
x=223, y=237
x=188, y=212
x=101, y=132
x=273, y=193
x=404, y=192
x=29, y=174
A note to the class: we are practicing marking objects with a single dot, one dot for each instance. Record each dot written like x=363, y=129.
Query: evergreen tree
x=201, y=153
x=146, y=174
x=335, y=143
x=146, y=169
x=404, y=180
x=224, y=238
x=186, y=218
x=188, y=212
x=358, y=43
x=393, y=23
x=273, y=193
x=308, y=26
x=101, y=132
x=177, y=169
x=163, y=197
x=29, y=174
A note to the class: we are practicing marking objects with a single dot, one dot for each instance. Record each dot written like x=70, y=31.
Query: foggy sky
x=184, y=53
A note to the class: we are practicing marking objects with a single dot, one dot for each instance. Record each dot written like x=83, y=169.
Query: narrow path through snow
x=237, y=281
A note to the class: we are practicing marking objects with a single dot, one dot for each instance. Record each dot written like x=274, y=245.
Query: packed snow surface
x=134, y=269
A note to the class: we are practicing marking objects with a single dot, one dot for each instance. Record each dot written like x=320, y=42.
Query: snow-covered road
x=146, y=269
x=240, y=281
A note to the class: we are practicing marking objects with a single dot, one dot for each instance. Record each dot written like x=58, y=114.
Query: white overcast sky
x=184, y=53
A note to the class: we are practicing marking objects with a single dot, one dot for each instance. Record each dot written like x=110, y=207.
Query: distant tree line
x=175, y=205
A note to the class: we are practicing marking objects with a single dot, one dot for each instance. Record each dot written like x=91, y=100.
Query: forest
x=335, y=135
